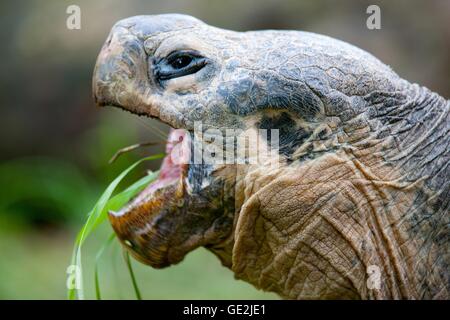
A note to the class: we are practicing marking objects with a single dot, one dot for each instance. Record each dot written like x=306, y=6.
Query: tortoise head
x=183, y=72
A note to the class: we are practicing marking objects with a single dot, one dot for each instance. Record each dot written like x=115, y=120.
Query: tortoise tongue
x=178, y=154
x=172, y=168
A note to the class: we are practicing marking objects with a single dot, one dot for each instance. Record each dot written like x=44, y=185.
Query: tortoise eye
x=178, y=64
x=181, y=62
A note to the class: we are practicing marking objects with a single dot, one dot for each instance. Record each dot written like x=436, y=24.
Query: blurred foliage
x=43, y=190
x=56, y=145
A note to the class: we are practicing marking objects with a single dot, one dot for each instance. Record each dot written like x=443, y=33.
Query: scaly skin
x=363, y=178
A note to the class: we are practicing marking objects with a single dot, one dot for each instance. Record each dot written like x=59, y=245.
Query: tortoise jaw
x=173, y=168
x=137, y=224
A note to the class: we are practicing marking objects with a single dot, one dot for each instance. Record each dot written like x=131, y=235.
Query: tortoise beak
x=120, y=73
x=138, y=229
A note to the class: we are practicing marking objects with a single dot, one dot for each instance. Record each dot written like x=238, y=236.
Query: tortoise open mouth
x=137, y=224
x=173, y=169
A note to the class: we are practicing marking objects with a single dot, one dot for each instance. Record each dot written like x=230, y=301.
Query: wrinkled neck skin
x=367, y=221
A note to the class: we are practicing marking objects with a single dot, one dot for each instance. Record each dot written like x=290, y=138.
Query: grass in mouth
x=97, y=216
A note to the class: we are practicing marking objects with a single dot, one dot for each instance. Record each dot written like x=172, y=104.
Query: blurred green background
x=55, y=144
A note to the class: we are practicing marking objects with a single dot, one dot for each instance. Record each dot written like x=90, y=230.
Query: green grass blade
x=99, y=213
x=133, y=278
x=122, y=198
